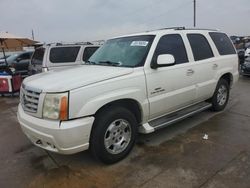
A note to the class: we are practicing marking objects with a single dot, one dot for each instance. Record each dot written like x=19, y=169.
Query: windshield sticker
x=139, y=43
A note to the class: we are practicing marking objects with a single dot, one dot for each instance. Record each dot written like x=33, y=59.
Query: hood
x=72, y=78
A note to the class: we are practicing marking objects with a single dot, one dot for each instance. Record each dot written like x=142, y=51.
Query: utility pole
x=194, y=13
x=32, y=33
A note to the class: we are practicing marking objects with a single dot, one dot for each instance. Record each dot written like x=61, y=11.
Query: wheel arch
x=131, y=104
x=228, y=77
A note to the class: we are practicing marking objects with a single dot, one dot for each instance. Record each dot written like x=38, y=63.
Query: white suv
x=60, y=56
x=134, y=83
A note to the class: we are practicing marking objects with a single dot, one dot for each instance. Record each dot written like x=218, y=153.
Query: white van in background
x=58, y=55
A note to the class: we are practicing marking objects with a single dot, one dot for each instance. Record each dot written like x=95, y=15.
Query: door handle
x=190, y=72
x=215, y=66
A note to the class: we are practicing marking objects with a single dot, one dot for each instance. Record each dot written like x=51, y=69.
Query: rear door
x=172, y=87
x=205, y=65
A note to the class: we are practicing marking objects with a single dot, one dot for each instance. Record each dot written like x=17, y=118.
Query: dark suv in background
x=20, y=61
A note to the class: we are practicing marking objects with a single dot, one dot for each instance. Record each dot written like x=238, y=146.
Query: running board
x=173, y=117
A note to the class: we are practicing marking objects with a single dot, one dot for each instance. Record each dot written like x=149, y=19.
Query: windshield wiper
x=109, y=63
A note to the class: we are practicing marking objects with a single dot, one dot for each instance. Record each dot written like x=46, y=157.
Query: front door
x=170, y=88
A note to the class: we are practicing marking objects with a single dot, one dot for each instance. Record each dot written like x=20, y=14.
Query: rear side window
x=88, y=52
x=172, y=44
x=37, y=57
x=24, y=56
x=64, y=54
x=200, y=47
x=222, y=43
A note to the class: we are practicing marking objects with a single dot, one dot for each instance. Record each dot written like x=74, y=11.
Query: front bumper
x=66, y=137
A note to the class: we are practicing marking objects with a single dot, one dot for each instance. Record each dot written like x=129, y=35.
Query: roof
x=169, y=29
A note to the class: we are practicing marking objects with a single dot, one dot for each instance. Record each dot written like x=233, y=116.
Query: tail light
x=4, y=85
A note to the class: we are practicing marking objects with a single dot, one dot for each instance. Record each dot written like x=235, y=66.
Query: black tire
x=218, y=105
x=101, y=130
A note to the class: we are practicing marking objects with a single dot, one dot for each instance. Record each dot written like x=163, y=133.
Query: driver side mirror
x=165, y=60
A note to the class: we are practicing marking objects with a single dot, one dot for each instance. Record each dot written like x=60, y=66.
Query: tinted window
x=200, y=47
x=64, y=54
x=24, y=56
x=88, y=52
x=223, y=43
x=171, y=44
x=37, y=57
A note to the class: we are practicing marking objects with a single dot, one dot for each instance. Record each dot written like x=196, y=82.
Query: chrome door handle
x=190, y=72
x=215, y=66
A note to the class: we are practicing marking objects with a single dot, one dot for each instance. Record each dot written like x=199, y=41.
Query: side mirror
x=165, y=60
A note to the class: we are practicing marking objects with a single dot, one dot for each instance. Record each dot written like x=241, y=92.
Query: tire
x=113, y=135
x=221, y=96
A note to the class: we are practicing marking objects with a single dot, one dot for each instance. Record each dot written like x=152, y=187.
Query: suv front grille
x=29, y=99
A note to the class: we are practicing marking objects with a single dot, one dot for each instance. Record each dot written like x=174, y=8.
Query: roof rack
x=67, y=43
x=201, y=29
x=184, y=28
x=175, y=28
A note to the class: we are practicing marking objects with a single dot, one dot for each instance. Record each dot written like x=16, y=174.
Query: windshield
x=125, y=52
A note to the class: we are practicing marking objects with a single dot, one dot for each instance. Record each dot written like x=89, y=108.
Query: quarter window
x=222, y=43
x=200, y=47
x=64, y=54
x=88, y=52
x=171, y=44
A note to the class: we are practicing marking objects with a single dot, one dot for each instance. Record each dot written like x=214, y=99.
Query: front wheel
x=221, y=95
x=113, y=135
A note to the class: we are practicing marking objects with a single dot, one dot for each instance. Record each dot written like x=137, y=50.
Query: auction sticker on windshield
x=139, y=43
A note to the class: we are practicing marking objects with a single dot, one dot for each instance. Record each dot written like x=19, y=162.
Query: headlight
x=55, y=106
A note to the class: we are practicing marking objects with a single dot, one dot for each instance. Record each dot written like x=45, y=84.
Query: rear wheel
x=221, y=95
x=113, y=135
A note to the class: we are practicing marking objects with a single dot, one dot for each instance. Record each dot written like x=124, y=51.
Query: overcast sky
x=81, y=20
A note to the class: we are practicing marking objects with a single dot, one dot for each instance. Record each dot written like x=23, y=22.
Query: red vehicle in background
x=10, y=82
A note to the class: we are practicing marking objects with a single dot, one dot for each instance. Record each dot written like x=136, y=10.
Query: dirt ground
x=176, y=156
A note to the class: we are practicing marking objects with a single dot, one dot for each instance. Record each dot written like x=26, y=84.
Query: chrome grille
x=30, y=99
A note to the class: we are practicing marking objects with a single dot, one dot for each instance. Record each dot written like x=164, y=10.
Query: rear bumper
x=66, y=137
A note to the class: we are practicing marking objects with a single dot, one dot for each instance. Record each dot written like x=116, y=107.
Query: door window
x=25, y=56
x=200, y=47
x=171, y=44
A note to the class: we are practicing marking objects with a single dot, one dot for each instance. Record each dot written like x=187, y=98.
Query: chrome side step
x=173, y=117
x=179, y=115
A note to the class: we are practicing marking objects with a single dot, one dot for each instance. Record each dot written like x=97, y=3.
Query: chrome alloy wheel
x=222, y=95
x=117, y=137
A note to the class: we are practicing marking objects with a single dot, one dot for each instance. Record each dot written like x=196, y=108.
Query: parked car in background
x=141, y=82
x=58, y=56
x=6, y=56
x=19, y=61
x=247, y=52
x=241, y=55
x=245, y=67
